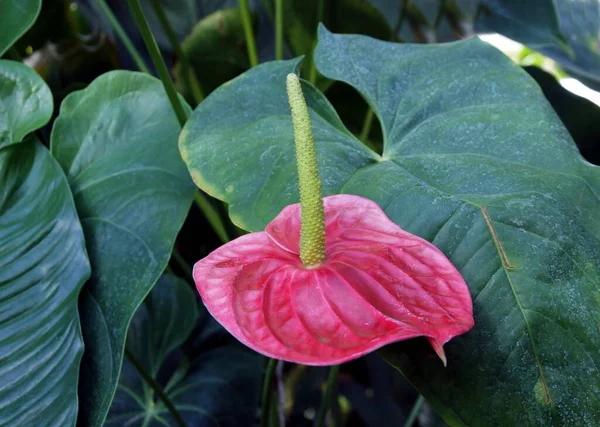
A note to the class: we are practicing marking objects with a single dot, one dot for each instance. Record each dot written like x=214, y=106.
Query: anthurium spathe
x=331, y=279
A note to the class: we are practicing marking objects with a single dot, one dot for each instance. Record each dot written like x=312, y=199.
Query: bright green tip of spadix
x=312, y=234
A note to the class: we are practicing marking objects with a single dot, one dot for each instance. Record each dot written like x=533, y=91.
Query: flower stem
x=249, y=32
x=212, y=216
x=312, y=233
x=366, y=130
x=135, y=55
x=182, y=263
x=414, y=413
x=157, y=60
x=329, y=389
x=266, y=393
x=312, y=75
x=186, y=68
x=278, y=29
x=155, y=387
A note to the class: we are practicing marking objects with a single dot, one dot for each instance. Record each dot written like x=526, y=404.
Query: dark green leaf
x=17, y=17
x=43, y=265
x=208, y=384
x=216, y=50
x=475, y=161
x=25, y=102
x=117, y=142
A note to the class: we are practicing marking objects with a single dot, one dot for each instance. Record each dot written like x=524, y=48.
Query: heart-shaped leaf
x=117, y=142
x=209, y=382
x=25, y=102
x=17, y=17
x=43, y=265
x=475, y=161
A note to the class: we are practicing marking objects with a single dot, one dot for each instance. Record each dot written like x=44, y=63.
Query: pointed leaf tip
x=379, y=284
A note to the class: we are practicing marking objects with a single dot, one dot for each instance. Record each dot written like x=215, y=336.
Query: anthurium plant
x=328, y=213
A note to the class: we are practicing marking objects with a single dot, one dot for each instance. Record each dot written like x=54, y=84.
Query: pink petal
x=378, y=285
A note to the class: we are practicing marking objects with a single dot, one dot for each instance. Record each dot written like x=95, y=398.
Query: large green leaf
x=117, y=142
x=475, y=161
x=43, y=265
x=17, y=17
x=211, y=381
x=25, y=102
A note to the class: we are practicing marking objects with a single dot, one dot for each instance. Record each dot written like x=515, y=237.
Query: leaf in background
x=579, y=115
x=475, y=161
x=17, y=17
x=342, y=16
x=216, y=49
x=184, y=15
x=25, y=102
x=43, y=265
x=117, y=142
x=210, y=385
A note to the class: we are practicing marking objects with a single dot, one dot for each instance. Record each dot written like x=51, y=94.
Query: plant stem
x=187, y=269
x=155, y=387
x=278, y=29
x=367, y=124
x=212, y=216
x=326, y=402
x=266, y=393
x=135, y=55
x=157, y=60
x=312, y=76
x=186, y=67
x=414, y=413
x=249, y=32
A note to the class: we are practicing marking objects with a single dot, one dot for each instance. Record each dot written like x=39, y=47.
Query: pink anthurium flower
x=378, y=284
x=331, y=279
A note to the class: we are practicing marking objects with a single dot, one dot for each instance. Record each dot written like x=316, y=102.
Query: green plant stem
x=187, y=269
x=155, y=387
x=329, y=389
x=312, y=75
x=249, y=32
x=266, y=393
x=135, y=55
x=187, y=69
x=212, y=216
x=414, y=413
x=278, y=29
x=157, y=60
x=367, y=124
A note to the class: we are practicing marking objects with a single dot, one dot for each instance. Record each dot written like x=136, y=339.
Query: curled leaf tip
x=378, y=284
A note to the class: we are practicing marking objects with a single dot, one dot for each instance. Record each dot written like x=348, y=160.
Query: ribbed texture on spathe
x=312, y=235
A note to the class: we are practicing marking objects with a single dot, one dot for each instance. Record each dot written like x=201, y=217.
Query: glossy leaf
x=25, y=102
x=43, y=265
x=208, y=384
x=257, y=287
x=474, y=161
x=117, y=142
x=17, y=17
